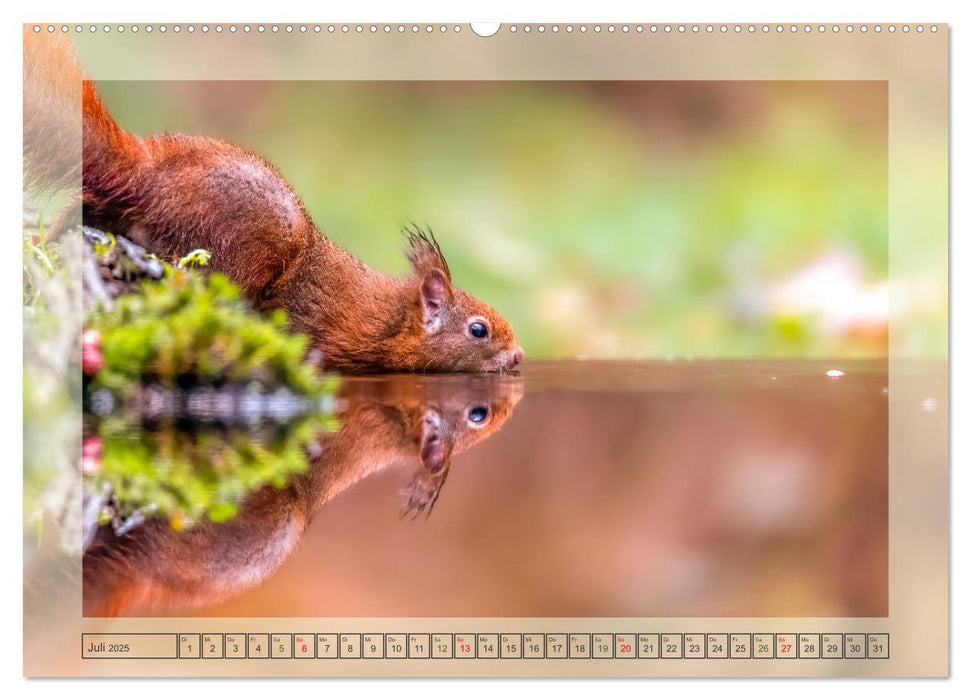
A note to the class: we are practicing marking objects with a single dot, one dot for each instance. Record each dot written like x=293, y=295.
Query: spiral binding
x=521, y=29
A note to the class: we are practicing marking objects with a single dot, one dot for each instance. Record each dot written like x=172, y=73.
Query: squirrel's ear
x=435, y=293
x=433, y=452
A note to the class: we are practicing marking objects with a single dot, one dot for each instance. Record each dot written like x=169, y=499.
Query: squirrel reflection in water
x=418, y=422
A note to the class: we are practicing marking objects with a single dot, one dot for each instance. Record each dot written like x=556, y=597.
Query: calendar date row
x=611, y=645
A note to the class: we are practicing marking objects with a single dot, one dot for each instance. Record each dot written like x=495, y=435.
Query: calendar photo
x=642, y=240
x=312, y=339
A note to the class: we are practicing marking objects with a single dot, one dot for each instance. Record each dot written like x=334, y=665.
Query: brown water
x=627, y=489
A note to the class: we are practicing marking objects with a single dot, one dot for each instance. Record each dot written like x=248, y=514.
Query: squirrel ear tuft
x=421, y=493
x=423, y=251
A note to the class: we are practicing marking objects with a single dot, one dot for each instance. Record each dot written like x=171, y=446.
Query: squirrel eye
x=478, y=330
x=477, y=414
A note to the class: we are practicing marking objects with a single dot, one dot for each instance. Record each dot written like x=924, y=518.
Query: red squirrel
x=174, y=193
x=384, y=421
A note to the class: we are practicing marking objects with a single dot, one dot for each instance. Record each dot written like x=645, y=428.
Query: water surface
x=628, y=489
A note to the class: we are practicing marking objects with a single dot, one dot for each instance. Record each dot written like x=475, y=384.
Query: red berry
x=91, y=357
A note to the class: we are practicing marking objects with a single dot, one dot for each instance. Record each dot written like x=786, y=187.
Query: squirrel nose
x=518, y=355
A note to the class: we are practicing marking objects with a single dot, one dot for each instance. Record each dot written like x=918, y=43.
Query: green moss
x=194, y=331
x=187, y=476
x=196, y=326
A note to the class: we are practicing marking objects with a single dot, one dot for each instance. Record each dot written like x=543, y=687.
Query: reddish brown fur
x=175, y=193
x=52, y=104
x=385, y=422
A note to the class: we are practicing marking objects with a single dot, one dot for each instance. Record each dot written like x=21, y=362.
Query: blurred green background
x=603, y=219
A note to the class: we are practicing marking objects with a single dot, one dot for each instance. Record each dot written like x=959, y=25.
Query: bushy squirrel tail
x=64, y=119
